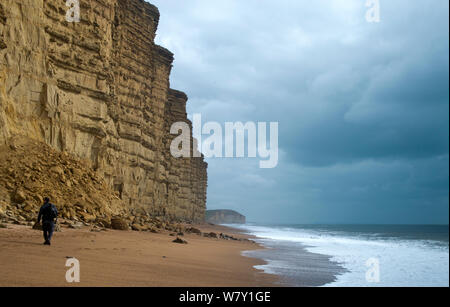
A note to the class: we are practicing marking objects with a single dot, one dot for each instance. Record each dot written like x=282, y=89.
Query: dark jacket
x=47, y=213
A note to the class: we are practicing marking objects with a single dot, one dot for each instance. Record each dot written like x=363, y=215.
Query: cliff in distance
x=97, y=90
x=224, y=217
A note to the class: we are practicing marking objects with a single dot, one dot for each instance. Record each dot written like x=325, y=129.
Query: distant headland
x=224, y=217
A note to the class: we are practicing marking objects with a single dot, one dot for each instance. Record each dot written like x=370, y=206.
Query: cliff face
x=224, y=217
x=99, y=90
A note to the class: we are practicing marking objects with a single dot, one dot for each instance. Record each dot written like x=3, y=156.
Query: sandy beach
x=128, y=258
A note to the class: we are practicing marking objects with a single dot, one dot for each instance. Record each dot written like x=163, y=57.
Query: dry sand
x=126, y=258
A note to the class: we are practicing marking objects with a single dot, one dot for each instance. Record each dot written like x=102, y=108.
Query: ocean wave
x=402, y=262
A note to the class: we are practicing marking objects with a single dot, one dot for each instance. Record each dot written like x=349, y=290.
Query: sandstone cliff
x=99, y=90
x=224, y=217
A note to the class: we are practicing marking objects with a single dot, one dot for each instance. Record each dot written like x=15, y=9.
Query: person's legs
x=51, y=229
x=45, y=231
x=48, y=228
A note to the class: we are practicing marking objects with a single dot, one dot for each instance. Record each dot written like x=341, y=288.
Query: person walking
x=49, y=214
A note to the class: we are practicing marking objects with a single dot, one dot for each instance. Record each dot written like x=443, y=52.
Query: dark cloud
x=363, y=108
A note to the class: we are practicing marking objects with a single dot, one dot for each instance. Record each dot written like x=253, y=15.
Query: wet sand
x=128, y=258
x=309, y=270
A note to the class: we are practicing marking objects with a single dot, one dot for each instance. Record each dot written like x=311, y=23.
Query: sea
x=353, y=255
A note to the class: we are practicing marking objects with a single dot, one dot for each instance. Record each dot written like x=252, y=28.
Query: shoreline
x=130, y=258
x=295, y=266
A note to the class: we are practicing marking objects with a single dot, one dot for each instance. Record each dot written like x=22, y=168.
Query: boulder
x=211, y=235
x=57, y=170
x=88, y=217
x=104, y=222
x=19, y=197
x=179, y=241
x=28, y=207
x=119, y=224
x=137, y=227
x=39, y=198
x=76, y=225
x=193, y=230
x=153, y=230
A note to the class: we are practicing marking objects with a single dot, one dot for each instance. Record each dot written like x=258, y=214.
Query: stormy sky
x=363, y=108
